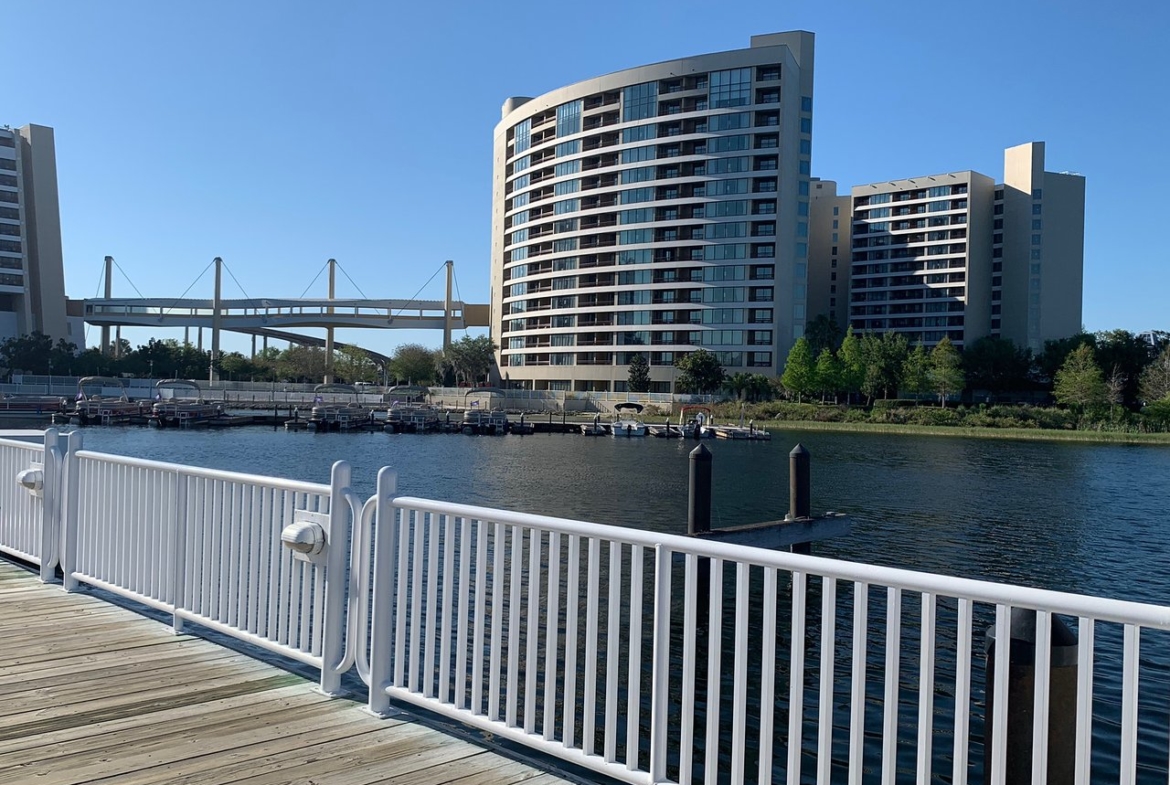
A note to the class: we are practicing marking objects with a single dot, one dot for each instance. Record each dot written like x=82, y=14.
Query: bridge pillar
x=447, y=306
x=109, y=293
x=213, y=372
x=329, y=330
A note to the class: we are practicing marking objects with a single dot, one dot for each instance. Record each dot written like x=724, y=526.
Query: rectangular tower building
x=32, y=278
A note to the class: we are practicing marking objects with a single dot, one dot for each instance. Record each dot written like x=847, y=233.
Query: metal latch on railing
x=307, y=536
x=33, y=479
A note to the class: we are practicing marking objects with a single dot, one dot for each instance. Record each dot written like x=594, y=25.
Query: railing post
x=385, y=578
x=800, y=490
x=660, y=674
x=337, y=557
x=50, y=505
x=71, y=484
x=178, y=552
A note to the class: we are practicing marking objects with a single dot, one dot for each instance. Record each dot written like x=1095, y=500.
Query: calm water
x=1073, y=517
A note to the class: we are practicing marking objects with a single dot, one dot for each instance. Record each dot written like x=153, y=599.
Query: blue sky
x=279, y=134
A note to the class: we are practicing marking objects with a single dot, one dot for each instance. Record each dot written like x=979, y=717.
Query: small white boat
x=95, y=407
x=338, y=415
x=171, y=410
x=625, y=420
x=696, y=422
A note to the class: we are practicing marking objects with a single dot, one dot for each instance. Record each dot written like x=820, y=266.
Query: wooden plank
x=91, y=692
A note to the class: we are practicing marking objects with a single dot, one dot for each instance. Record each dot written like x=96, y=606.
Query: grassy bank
x=1027, y=434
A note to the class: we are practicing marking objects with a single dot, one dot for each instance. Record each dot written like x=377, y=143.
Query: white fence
x=643, y=656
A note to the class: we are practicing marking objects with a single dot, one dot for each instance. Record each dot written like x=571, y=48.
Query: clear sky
x=279, y=134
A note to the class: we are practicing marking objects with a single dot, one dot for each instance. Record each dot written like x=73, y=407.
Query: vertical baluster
x=1041, y=696
x=634, y=667
x=962, y=693
x=402, y=614
x=612, y=663
x=926, y=688
x=480, y=613
x=178, y=558
x=552, y=627
x=714, y=672
x=796, y=677
x=1129, y=704
x=258, y=546
x=767, y=675
x=445, y=630
x=689, y=644
x=235, y=554
x=1003, y=636
x=892, y=679
x=310, y=590
x=532, y=629
x=245, y=538
x=465, y=557
x=415, y=643
x=572, y=611
x=1084, y=755
x=271, y=564
x=739, y=688
x=828, y=671
x=592, y=588
x=857, y=682
x=499, y=545
x=429, y=663
x=660, y=669
x=511, y=698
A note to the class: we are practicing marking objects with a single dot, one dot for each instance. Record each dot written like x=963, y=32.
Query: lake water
x=1071, y=517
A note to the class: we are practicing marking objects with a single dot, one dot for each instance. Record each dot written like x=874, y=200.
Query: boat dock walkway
x=90, y=691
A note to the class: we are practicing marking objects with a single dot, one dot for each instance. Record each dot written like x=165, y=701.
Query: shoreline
x=1018, y=434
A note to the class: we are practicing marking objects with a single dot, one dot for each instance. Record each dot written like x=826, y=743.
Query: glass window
x=567, y=168
x=729, y=122
x=802, y=189
x=634, y=195
x=566, y=206
x=522, y=135
x=805, y=147
x=805, y=103
x=635, y=154
x=568, y=148
x=1035, y=239
x=1037, y=224
x=569, y=119
x=639, y=133
x=1036, y=209
x=640, y=101
x=730, y=88
x=567, y=187
x=639, y=174
x=1036, y=193
x=723, y=144
x=805, y=125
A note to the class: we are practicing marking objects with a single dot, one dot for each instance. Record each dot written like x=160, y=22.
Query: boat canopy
x=636, y=408
x=407, y=392
x=100, y=382
x=172, y=383
x=336, y=387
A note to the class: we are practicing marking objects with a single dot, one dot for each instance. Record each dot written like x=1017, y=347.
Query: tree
x=852, y=363
x=916, y=372
x=759, y=387
x=469, y=359
x=822, y=333
x=737, y=385
x=639, y=373
x=1057, y=351
x=234, y=365
x=883, y=356
x=827, y=373
x=997, y=365
x=946, y=370
x=1155, y=379
x=302, y=364
x=800, y=373
x=28, y=353
x=1078, y=383
x=699, y=372
x=354, y=364
x=1127, y=355
x=413, y=363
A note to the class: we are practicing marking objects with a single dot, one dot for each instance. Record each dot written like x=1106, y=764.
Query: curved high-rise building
x=655, y=211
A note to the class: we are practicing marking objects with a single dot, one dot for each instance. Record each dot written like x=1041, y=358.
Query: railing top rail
x=37, y=446
x=1104, y=609
x=209, y=474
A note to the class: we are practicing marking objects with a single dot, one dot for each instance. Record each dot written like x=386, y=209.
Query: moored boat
x=626, y=422
x=172, y=411
x=102, y=400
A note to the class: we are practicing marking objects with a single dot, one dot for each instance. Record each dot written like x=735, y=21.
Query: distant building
x=954, y=255
x=32, y=277
x=655, y=211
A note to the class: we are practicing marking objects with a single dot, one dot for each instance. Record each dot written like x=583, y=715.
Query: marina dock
x=121, y=697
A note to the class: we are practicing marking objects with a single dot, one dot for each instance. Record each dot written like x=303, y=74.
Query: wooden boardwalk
x=94, y=693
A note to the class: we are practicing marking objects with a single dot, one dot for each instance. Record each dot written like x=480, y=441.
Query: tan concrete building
x=655, y=211
x=954, y=254
x=32, y=277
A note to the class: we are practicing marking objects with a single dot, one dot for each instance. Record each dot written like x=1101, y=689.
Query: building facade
x=32, y=277
x=955, y=255
x=655, y=211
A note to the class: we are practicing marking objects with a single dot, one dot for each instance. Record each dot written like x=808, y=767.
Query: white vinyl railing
x=658, y=658
x=644, y=656
x=205, y=546
x=29, y=498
